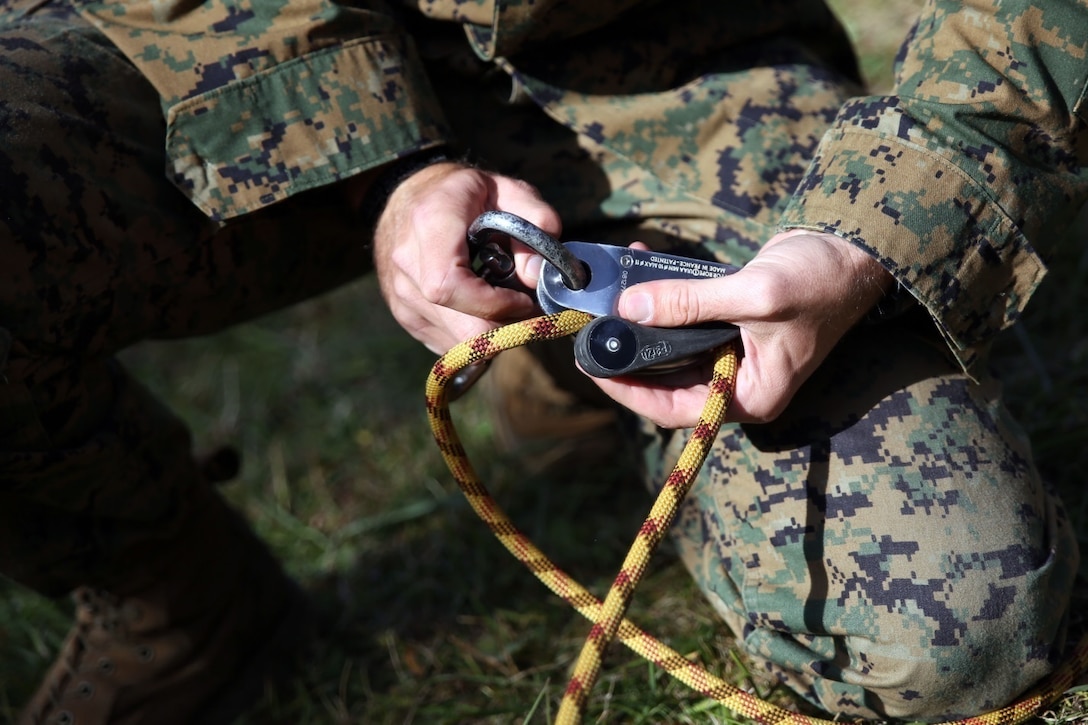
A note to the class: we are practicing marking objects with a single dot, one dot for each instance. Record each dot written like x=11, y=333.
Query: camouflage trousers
x=886, y=547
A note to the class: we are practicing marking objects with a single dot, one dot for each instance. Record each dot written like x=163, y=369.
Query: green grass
x=429, y=619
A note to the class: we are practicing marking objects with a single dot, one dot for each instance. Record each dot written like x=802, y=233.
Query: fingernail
x=637, y=306
x=532, y=268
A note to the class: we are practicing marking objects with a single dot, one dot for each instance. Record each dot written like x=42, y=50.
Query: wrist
x=870, y=285
x=895, y=302
x=881, y=297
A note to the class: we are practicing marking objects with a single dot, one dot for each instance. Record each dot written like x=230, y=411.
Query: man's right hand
x=793, y=303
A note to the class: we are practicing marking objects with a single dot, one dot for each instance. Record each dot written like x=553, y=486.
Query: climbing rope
x=608, y=618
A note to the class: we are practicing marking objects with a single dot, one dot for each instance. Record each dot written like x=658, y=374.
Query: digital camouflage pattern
x=974, y=163
x=886, y=547
x=947, y=195
x=97, y=251
x=307, y=92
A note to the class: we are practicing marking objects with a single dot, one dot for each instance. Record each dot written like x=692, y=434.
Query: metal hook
x=496, y=265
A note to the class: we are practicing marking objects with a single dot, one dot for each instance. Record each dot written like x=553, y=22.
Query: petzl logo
x=656, y=351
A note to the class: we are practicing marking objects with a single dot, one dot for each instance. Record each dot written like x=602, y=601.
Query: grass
x=429, y=619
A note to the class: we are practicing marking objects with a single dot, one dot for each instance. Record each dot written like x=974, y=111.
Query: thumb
x=672, y=303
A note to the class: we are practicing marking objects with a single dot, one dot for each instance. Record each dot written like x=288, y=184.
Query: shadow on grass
x=438, y=622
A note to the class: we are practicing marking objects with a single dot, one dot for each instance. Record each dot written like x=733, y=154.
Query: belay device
x=589, y=277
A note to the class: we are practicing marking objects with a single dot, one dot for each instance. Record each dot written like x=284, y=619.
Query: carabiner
x=495, y=264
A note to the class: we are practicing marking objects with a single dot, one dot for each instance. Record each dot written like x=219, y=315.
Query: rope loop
x=608, y=617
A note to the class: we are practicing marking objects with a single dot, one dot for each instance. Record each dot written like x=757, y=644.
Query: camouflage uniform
x=886, y=546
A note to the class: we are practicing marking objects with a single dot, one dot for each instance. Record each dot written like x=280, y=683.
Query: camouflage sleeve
x=263, y=100
x=974, y=162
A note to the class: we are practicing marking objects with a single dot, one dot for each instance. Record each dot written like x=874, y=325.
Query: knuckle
x=422, y=214
x=682, y=304
x=436, y=295
x=765, y=295
x=400, y=290
x=771, y=412
x=400, y=257
x=437, y=290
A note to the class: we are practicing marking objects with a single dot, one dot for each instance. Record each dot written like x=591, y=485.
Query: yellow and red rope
x=608, y=618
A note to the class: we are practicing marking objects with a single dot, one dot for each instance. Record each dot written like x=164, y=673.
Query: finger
x=751, y=294
x=459, y=289
x=457, y=328
x=528, y=264
x=767, y=378
x=522, y=198
x=666, y=406
x=447, y=280
x=443, y=331
x=674, y=303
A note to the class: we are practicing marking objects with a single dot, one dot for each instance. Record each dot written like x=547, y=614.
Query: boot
x=194, y=632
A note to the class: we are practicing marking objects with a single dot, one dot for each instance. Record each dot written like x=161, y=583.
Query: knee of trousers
x=892, y=663
x=907, y=564
x=886, y=546
x=890, y=616
x=884, y=628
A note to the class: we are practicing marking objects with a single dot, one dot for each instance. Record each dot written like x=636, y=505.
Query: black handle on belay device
x=610, y=346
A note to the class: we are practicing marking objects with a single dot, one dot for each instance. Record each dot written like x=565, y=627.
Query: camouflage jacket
x=977, y=157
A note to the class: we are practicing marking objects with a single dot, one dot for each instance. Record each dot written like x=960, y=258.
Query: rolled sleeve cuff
x=308, y=122
x=940, y=233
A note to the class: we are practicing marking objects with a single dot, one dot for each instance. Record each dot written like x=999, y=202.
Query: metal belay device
x=589, y=277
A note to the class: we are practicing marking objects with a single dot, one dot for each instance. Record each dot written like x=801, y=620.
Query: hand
x=793, y=303
x=421, y=253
